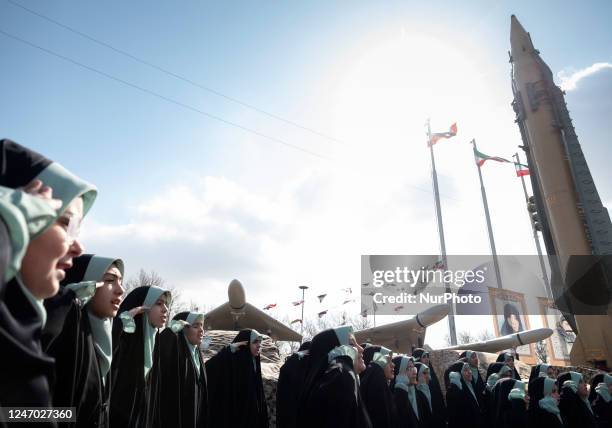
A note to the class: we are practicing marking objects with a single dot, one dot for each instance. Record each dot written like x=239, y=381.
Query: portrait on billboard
x=559, y=345
x=509, y=315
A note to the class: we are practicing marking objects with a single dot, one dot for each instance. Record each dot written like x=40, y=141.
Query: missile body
x=506, y=342
x=576, y=226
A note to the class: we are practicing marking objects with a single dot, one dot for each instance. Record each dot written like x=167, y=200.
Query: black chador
x=437, y=398
x=408, y=406
x=290, y=381
x=430, y=419
x=543, y=409
x=495, y=371
x=508, y=358
x=184, y=393
x=510, y=407
x=575, y=408
x=135, y=369
x=26, y=370
x=463, y=408
x=600, y=399
x=236, y=389
x=330, y=396
x=471, y=357
x=541, y=370
x=375, y=391
x=81, y=343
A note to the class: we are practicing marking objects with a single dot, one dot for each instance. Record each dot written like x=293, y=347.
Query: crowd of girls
x=70, y=336
x=334, y=382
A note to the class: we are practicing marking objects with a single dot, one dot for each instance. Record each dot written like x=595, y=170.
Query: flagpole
x=434, y=175
x=536, y=238
x=488, y=218
x=303, y=288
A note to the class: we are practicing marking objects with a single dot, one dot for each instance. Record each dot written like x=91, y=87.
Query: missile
x=575, y=225
x=236, y=296
x=506, y=342
x=402, y=336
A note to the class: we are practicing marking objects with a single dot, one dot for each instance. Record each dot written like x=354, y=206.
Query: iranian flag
x=521, y=170
x=441, y=135
x=481, y=158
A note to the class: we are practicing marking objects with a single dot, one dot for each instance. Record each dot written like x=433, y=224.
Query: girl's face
x=425, y=359
x=255, y=348
x=474, y=360
x=389, y=368
x=412, y=374
x=427, y=377
x=158, y=314
x=105, y=303
x=510, y=362
x=555, y=394
x=195, y=333
x=550, y=373
x=358, y=365
x=467, y=374
x=50, y=254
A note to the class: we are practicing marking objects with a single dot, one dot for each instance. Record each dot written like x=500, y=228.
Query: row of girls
x=334, y=382
x=70, y=335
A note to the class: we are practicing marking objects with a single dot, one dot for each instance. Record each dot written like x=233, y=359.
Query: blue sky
x=256, y=209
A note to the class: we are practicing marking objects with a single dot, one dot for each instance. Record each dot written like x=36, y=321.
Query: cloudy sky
x=277, y=142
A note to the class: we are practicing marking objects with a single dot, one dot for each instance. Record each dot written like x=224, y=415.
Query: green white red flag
x=481, y=158
x=521, y=170
x=442, y=135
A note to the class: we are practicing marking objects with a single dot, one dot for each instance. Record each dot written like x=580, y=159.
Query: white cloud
x=569, y=80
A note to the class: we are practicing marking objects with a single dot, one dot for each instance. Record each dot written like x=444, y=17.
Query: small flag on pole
x=296, y=320
x=481, y=158
x=321, y=297
x=348, y=290
x=348, y=301
x=441, y=135
x=297, y=302
x=321, y=313
x=521, y=170
x=270, y=306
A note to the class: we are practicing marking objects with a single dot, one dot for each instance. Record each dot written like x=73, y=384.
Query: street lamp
x=303, y=288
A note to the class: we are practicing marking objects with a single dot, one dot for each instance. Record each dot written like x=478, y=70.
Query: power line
x=175, y=75
x=165, y=98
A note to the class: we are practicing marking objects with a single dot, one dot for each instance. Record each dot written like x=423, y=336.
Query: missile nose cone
x=236, y=294
x=432, y=315
x=520, y=41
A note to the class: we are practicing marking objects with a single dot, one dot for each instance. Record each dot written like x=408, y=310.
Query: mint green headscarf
x=149, y=331
x=548, y=403
x=343, y=333
x=469, y=384
x=67, y=186
x=422, y=385
x=25, y=217
x=602, y=390
x=101, y=328
x=194, y=349
x=475, y=372
x=381, y=357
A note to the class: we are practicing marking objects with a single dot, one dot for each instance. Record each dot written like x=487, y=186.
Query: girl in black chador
x=330, y=396
x=39, y=260
x=135, y=370
x=543, y=409
x=409, y=402
x=600, y=398
x=575, y=408
x=234, y=380
x=78, y=336
x=510, y=404
x=290, y=380
x=437, y=398
x=184, y=393
x=463, y=408
x=375, y=390
x=508, y=358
